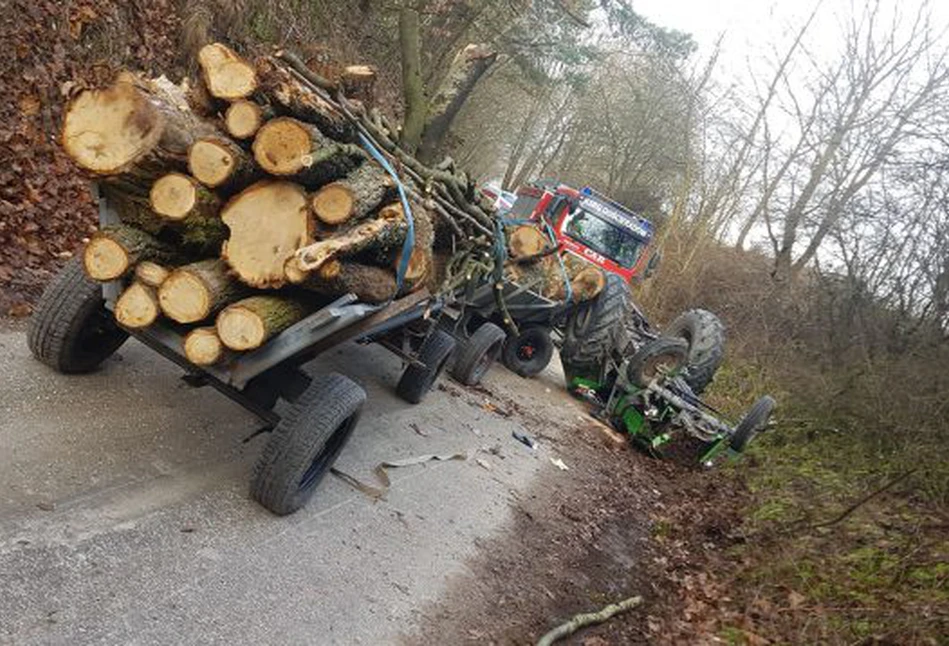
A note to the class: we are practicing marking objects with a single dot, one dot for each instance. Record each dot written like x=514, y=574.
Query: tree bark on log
x=135, y=129
x=268, y=221
x=193, y=292
x=151, y=273
x=203, y=347
x=244, y=118
x=226, y=75
x=387, y=230
x=369, y=283
x=286, y=91
x=352, y=197
x=137, y=306
x=297, y=150
x=358, y=82
x=251, y=322
x=115, y=250
x=587, y=283
x=218, y=162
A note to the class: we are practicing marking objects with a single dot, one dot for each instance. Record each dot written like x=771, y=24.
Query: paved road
x=124, y=517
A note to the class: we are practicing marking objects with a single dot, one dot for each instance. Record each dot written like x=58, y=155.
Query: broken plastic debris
x=557, y=462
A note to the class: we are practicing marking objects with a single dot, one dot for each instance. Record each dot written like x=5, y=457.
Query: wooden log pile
x=251, y=197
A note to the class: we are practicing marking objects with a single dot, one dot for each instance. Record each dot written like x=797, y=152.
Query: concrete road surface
x=125, y=519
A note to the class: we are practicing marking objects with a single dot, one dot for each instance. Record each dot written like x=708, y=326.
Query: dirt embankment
x=617, y=524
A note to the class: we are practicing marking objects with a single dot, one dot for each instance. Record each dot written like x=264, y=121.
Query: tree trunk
x=268, y=222
x=134, y=129
x=203, y=347
x=413, y=90
x=587, y=284
x=226, y=75
x=297, y=150
x=193, y=292
x=420, y=271
x=244, y=118
x=115, y=250
x=466, y=69
x=218, y=162
x=151, y=273
x=284, y=90
x=249, y=323
x=353, y=197
x=387, y=231
x=370, y=284
x=137, y=306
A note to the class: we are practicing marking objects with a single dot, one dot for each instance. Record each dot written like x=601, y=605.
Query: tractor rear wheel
x=595, y=331
x=705, y=334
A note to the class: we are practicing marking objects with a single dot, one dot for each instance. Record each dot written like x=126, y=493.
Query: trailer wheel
x=529, y=352
x=71, y=331
x=306, y=442
x=752, y=423
x=416, y=381
x=477, y=354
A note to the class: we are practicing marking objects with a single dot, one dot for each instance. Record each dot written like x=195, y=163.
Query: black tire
x=477, y=354
x=595, y=331
x=662, y=354
x=306, y=443
x=753, y=423
x=416, y=381
x=71, y=331
x=705, y=334
x=528, y=353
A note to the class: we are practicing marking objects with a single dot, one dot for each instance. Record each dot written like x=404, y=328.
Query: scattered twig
x=852, y=508
x=588, y=619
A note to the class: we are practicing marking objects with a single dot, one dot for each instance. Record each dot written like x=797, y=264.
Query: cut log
x=286, y=91
x=587, y=283
x=151, y=273
x=193, y=292
x=244, y=118
x=369, y=283
x=353, y=197
x=269, y=221
x=137, y=306
x=176, y=196
x=358, y=82
x=249, y=323
x=420, y=270
x=136, y=129
x=526, y=240
x=218, y=162
x=115, y=250
x=386, y=230
x=203, y=347
x=226, y=75
x=297, y=150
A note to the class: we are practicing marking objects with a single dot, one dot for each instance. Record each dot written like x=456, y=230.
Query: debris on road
x=526, y=440
x=588, y=619
x=378, y=492
x=557, y=462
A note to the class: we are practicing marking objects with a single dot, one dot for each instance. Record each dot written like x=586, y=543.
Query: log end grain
x=283, y=146
x=334, y=203
x=203, y=347
x=105, y=131
x=173, y=196
x=210, y=162
x=243, y=119
x=151, y=273
x=226, y=75
x=184, y=298
x=105, y=259
x=137, y=307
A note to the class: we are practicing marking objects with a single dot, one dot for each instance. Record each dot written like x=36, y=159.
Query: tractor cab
x=589, y=225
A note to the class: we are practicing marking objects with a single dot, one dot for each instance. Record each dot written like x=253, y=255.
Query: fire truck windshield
x=616, y=243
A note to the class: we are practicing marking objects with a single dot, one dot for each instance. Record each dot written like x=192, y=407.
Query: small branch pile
x=250, y=197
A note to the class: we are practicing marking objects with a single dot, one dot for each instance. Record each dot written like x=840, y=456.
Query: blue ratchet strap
x=409, y=243
x=568, y=288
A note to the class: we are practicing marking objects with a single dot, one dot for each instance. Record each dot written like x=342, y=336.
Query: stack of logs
x=248, y=198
